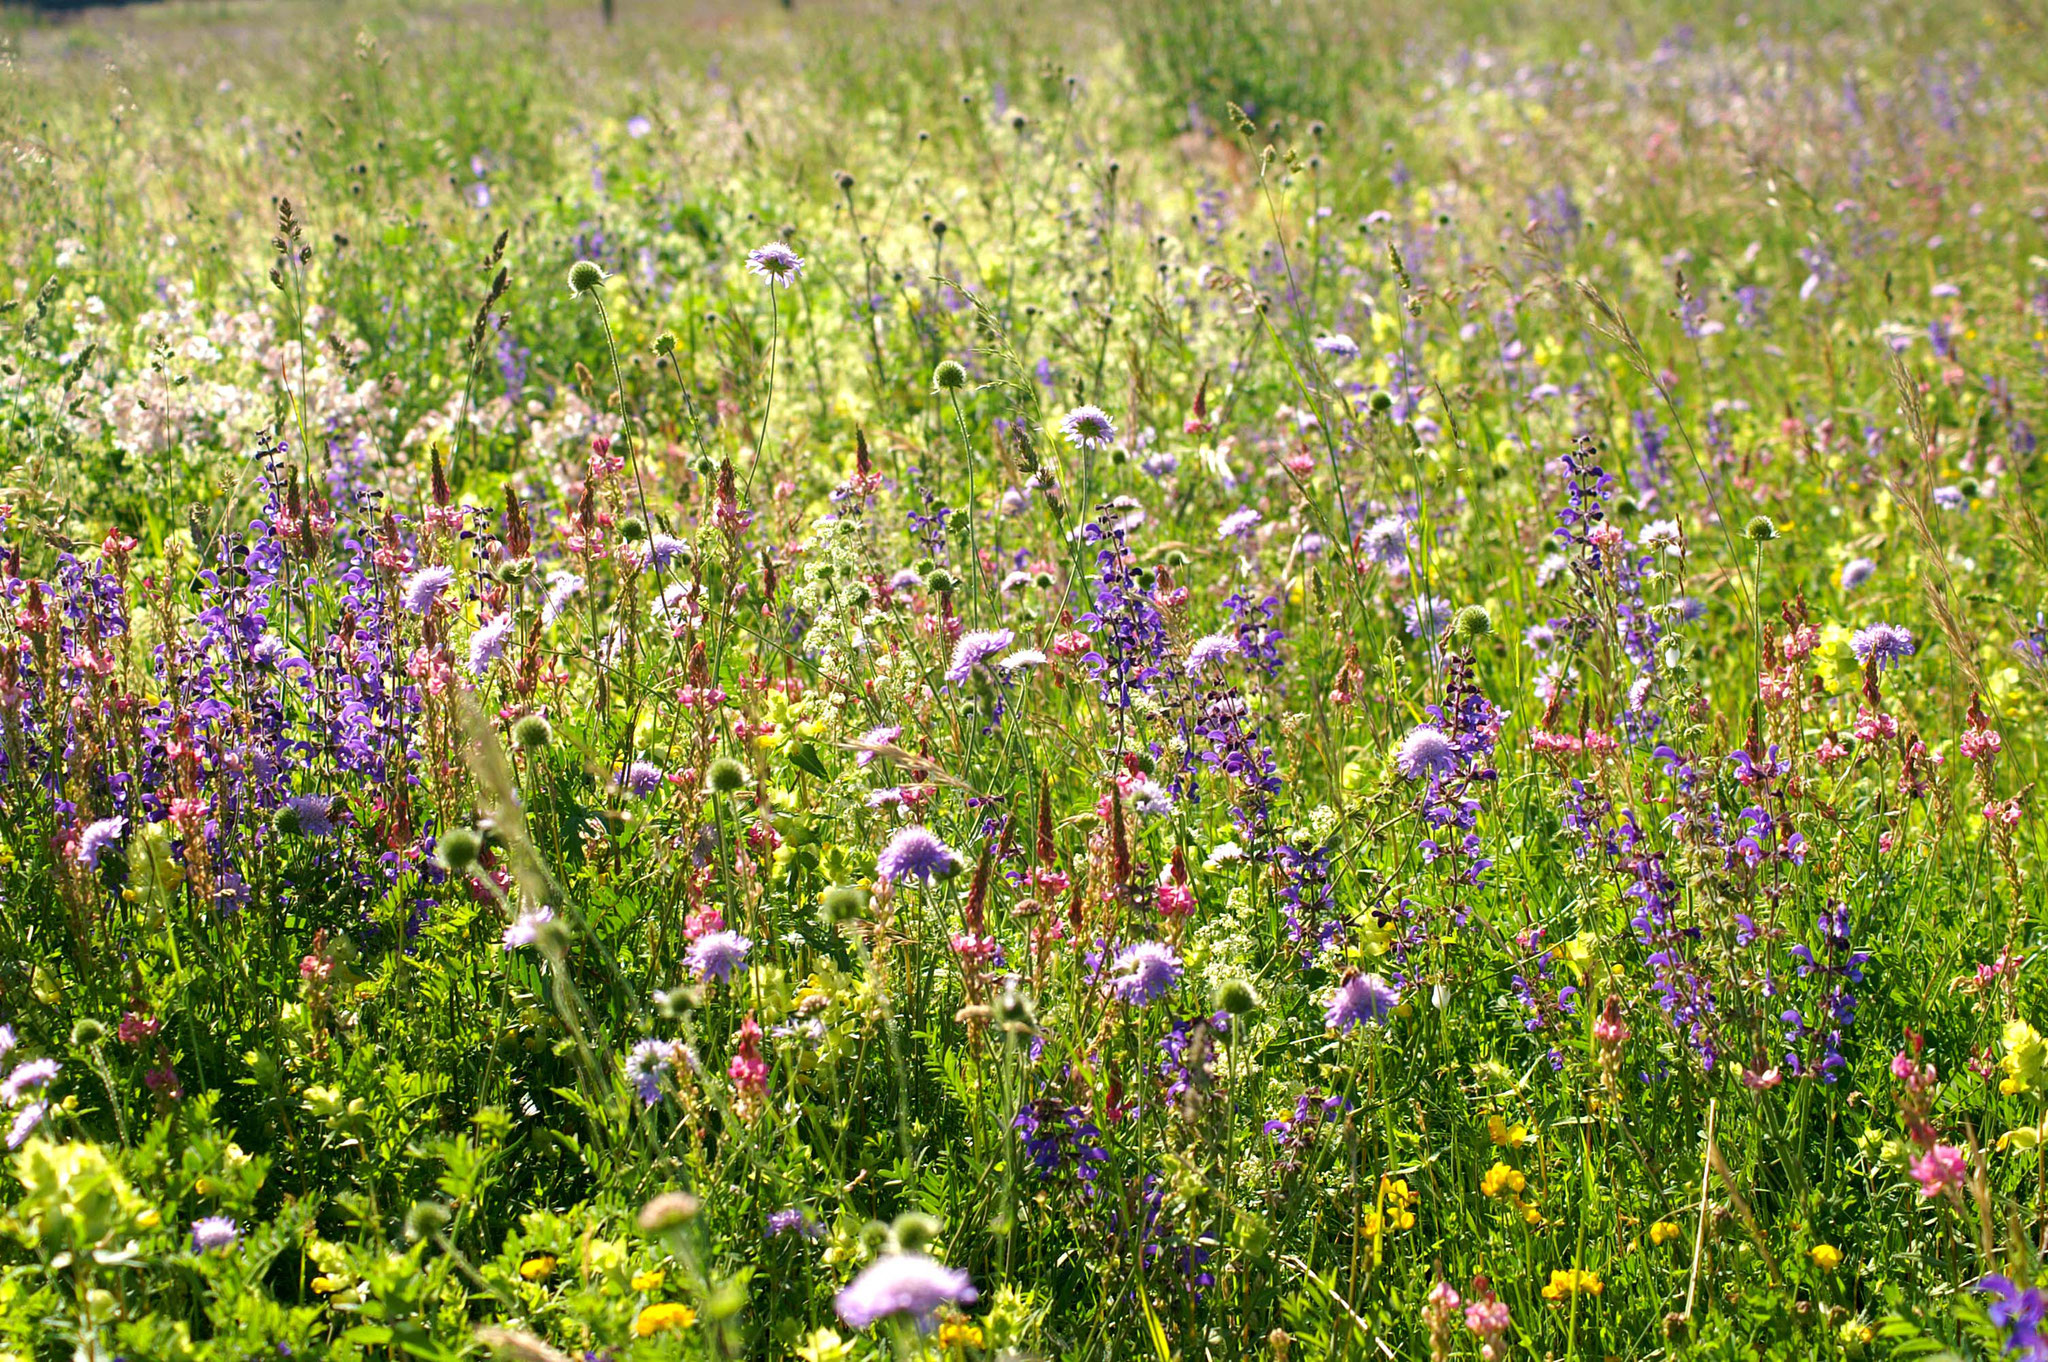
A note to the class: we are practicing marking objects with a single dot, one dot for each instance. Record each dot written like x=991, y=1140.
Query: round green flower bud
x=584, y=276
x=459, y=848
x=1472, y=622
x=285, y=822
x=665, y=344
x=632, y=529
x=949, y=377
x=1235, y=996
x=1382, y=403
x=844, y=902
x=426, y=1219
x=1761, y=529
x=915, y=1231
x=725, y=776
x=942, y=581
x=86, y=1032
x=532, y=732
x=670, y=1210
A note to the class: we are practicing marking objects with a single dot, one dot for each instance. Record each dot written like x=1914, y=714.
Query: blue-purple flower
x=97, y=837
x=1882, y=644
x=914, y=853
x=715, y=955
x=1146, y=973
x=974, y=648
x=1088, y=428
x=1361, y=998
x=903, y=1284
x=776, y=263
x=213, y=1233
x=1426, y=751
x=421, y=589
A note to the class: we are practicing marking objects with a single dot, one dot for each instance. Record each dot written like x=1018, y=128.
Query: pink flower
x=1940, y=1169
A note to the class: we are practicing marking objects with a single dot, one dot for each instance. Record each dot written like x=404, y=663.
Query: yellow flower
x=2026, y=1054
x=1397, y=1198
x=959, y=1335
x=1568, y=1282
x=1501, y=1133
x=1663, y=1232
x=1826, y=1257
x=327, y=1286
x=538, y=1268
x=659, y=1319
x=649, y=1280
x=1502, y=1178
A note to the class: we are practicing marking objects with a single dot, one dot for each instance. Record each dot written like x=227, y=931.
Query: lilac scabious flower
x=914, y=853
x=974, y=648
x=643, y=778
x=1148, y=972
x=648, y=1064
x=1856, y=572
x=639, y=125
x=794, y=1221
x=7, y=1041
x=1361, y=998
x=1386, y=541
x=1241, y=521
x=1540, y=638
x=663, y=549
x=211, y=1234
x=1023, y=657
x=1428, y=616
x=421, y=589
x=1337, y=345
x=776, y=263
x=1950, y=498
x=875, y=737
x=525, y=928
x=33, y=1076
x=1882, y=643
x=314, y=814
x=903, y=1284
x=487, y=644
x=1209, y=648
x=97, y=837
x=1426, y=751
x=563, y=587
x=715, y=955
x=1088, y=428
x=25, y=1123
x=1662, y=535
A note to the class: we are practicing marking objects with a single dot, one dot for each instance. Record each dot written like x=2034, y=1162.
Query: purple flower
x=30, y=1077
x=25, y=1123
x=1386, y=541
x=1209, y=648
x=1950, y=498
x=638, y=126
x=1428, y=616
x=975, y=648
x=212, y=1233
x=903, y=1284
x=1882, y=643
x=663, y=549
x=643, y=778
x=97, y=837
x=1241, y=521
x=1426, y=751
x=647, y=1064
x=915, y=854
x=563, y=587
x=715, y=955
x=419, y=591
x=793, y=1221
x=1088, y=428
x=1856, y=572
x=1148, y=972
x=1361, y=998
x=525, y=928
x=487, y=644
x=1337, y=345
x=876, y=737
x=776, y=263
x=314, y=814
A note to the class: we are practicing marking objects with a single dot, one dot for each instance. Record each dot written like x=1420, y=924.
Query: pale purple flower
x=648, y=1064
x=525, y=928
x=643, y=778
x=313, y=813
x=776, y=263
x=639, y=125
x=97, y=837
x=211, y=1234
x=1209, y=648
x=487, y=644
x=420, y=590
x=663, y=549
x=32, y=1076
x=915, y=854
x=1856, y=572
x=1337, y=345
x=1361, y=998
x=7, y=1041
x=1022, y=658
x=1241, y=521
x=563, y=587
x=1662, y=535
x=1882, y=643
x=1950, y=498
x=25, y=1123
x=1540, y=639
x=1147, y=972
x=1088, y=428
x=794, y=1221
x=974, y=648
x=903, y=1284
x=715, y=955
x=875, y=737
x=1428, y=616
x=1386, y=541
x=1426, y=751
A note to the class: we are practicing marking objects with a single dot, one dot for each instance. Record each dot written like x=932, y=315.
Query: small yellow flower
x=1826, y=1257
x=649, y=1280
x=538, y=1268
x=1568, y=1282
x=959, y=1335
x=1501, y=1133
x=1663, y=1232
x=326, y=1286
x=659, y=1319
x=1502, y=1178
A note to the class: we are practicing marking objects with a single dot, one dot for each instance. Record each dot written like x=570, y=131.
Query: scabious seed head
x=665, y=344
x=584, y=276
x=915, y=1231
x=632, y=529
x=1761, y=529
x=1472, y=622
x=725, y=776
x=1235, y=996
x=844, y=902
x=87, y=1032
x=1381, y=403
x=949, y=376
x=532, y=732
x=459, y=848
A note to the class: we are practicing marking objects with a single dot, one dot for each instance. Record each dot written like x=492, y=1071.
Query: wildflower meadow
x=1201, y=679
